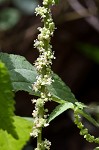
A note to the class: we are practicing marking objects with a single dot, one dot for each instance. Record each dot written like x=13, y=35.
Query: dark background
x=74, y=35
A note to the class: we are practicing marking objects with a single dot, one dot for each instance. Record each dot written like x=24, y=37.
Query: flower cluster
x=46, y=2
x=45, y=144
x=39, y=114
x=43, y=67
x=83, y=130
x=41, y=11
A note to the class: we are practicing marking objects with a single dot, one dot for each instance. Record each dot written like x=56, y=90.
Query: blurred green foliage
x=11, y=15
x=26, y=6
x=2, y=1
x=91, y=51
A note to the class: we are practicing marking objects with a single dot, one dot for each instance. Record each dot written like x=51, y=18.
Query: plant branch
x=91, y=19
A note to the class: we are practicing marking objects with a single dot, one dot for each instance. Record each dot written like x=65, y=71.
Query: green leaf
x=59, y=110
x=23, y=75
x=56, y=1
x=60, y=91
x=88, y=117
x=23, y=128
x=6, y=102
x=9, y=17
x=90, y=51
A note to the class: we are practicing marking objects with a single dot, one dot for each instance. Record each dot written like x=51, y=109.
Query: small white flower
x=35, y=113
x=45, y=116
x=41, y=11
x=35, y=132
x=46, y=110
x=38, y=44
x=40, y=102
x=47, y=144
x=46, y=2
x=33, y=101
x=36, y=149
x=46, y=124
x=41, y=122
x=49, y=94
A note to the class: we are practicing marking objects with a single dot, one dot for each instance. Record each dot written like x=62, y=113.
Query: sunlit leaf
x=59, y=110
x=6, y=102
x=23, y=128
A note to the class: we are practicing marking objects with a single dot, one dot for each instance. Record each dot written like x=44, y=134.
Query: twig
x=92, y=20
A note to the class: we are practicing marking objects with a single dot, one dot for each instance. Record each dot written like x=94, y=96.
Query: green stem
x=39, y=139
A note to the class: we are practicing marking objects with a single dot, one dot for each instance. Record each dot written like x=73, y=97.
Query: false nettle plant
x=17, y=74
